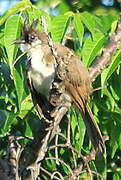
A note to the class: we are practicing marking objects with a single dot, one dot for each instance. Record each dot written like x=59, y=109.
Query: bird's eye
x=32, y=36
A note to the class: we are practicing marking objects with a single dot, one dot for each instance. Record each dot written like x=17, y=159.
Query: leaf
x=115, y=84
x=4, y=68
x=104, y=23
x=27, y=128
x=110, y=102
x=73, y=122
x=19, y=6
x=58, y=27
x=6, y=120
x=78, y=27
x=26, y=106
x=78, y=129
x=11, y=32
x=63, y=7
x=115, y=132
x=82, y=131
x=18, y=78
x=51, y=164
x=88, y=20
x=99, y=25
x=115, y=95
x=116, y=60
x=1, y=37
x=34, y=13
x=116, y=176
x=101, y=164
x=92, y=47
x=107, y=21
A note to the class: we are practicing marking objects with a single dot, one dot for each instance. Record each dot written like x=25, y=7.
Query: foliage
x=17, y=114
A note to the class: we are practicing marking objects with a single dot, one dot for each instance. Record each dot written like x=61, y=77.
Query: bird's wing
x=77, y=77
x=78, y=86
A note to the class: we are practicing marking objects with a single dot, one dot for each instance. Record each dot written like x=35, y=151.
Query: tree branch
x=105, y=59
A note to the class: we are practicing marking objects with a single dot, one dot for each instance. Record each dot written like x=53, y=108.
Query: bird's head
x=30, y=37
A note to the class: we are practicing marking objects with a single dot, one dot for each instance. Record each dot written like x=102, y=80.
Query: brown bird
x=41, y=66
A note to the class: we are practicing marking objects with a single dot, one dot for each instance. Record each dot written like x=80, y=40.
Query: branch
x=14, y=154
x=38, y=148
x=105, y=58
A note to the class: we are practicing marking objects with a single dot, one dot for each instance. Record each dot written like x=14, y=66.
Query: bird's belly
x=42, y=77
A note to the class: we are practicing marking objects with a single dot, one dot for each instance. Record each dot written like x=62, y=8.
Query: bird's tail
x=93, y=130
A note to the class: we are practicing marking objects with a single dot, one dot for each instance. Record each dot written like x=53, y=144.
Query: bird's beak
x=18, y=41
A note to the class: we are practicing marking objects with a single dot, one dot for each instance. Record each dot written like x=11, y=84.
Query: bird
x=41, y=67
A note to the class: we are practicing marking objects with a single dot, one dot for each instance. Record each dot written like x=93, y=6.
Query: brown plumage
x=78, y=85
x=77, y=81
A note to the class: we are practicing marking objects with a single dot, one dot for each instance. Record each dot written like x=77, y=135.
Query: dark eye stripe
x=29, y=38
x=26, y=38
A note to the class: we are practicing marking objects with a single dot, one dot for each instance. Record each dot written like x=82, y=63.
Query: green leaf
x=11, y=32
x=92, y=47
x=4, y=68
x=51, y=164
x=88, y=20
x=18, y=79
x=73, y=122
x=116, y=176
x=104, y=23
x=116, y=60
x=115, y=132
x=79, y=28
x=19, y=6
x=58, y=27
x=82, y=131
x=101, y=164
x=78, y=129
x=27, y=128
x=114, y=94
x=115, y=84
x=107, y=21
x=26, y=106
x=93, y=168
x=99, y=25
x=6, y=120
x=34, y=13
x=1, y=38
x=110, y=102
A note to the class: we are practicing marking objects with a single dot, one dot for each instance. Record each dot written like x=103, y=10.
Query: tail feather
x=93, y=130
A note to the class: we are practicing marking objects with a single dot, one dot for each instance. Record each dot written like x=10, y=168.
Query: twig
x=56, y=172
x=69, y=146
x=62, y=135
x=61, y=161
x=68, y=132
x=18, y=58
x=56, y=148
x=18, y=155
x=48, y=173
x=12, y=156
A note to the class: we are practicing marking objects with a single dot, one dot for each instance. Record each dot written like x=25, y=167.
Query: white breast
x=41, y=74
